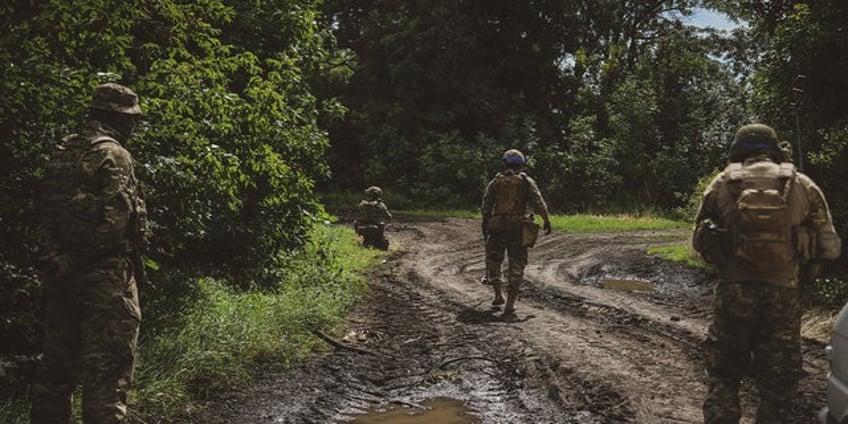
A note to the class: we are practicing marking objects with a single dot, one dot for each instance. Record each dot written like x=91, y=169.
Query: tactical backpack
x=62, y=189
x=511, y=194
x=760, y=220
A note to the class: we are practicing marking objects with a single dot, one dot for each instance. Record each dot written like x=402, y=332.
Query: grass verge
x=678, y=253
x=208, y=336
x=224, y=334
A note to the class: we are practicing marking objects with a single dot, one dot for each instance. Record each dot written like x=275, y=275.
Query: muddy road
x=603, y=333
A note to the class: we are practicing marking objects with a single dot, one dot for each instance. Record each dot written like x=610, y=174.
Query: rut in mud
x=580, y=350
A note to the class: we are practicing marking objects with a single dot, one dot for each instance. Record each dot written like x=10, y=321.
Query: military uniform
x=756, y=319
x=508, y=204
x=373, y=216
x=90, y=209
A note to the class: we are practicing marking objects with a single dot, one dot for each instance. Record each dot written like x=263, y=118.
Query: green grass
x=678, y=253
x=227, y=333
x=583, y=223
x=14, y=411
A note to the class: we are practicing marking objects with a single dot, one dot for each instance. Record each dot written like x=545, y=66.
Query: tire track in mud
x=599, y=344
x=578, y=353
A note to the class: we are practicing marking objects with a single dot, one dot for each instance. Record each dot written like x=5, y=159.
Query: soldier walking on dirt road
x=93, y=218
x=508, y=203
x=762, y=223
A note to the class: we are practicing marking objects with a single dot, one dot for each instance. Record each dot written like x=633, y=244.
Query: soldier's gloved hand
x=547, y=227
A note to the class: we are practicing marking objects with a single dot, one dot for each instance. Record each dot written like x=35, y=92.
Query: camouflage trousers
x=91, y=333
x=373, y=235
x=510, y=243
x=756, y=329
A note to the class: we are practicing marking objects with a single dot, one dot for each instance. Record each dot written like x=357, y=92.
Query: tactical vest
x=760, y=220
x=510, y=193
x=64, y=186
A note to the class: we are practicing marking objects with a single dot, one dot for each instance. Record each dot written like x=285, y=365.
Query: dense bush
x=229, y=147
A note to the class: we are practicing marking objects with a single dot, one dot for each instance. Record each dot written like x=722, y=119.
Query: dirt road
x=585, y=346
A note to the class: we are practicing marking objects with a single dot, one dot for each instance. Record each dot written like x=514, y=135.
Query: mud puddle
x=627, y=285
x=445, y=411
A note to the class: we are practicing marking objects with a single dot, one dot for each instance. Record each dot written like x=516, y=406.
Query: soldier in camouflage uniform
x=373, y=217
x=762, y=223
x=93, y=216
x=508, y=205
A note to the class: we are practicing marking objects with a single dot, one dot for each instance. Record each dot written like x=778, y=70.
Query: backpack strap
x=103, y=139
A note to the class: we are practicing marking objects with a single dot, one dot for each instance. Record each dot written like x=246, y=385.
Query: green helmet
x=113, y=97
x=754, y=138
x=373, y=193
x=513, y=157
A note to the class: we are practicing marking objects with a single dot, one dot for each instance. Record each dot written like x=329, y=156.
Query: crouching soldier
x=373, y=217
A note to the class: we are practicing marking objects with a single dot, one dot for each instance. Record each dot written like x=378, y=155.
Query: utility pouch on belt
x=711, y=242
x=496, y=224
x=529, y=233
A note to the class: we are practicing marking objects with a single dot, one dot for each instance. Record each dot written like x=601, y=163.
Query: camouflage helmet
x=754, y=138
x=513, y=157
x=373, y=193
x=113, y=97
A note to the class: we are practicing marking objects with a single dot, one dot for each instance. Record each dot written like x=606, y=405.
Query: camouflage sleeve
x=535, y=199
x=709, y=209
x=819, y=220
x=385, y=215
x=488, y=204
x=112, y=171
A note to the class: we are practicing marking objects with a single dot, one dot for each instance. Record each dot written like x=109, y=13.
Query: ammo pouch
x=504, y=223
x=529, y=233
x=712, y=242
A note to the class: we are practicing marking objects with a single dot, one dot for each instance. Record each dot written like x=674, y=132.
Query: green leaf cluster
x=229, y=148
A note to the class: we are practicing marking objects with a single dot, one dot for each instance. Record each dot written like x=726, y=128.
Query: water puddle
x=442, y=411
x=627, y=285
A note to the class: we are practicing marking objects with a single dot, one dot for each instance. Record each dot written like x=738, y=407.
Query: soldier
x=373, y=217
x=762, y=223
x=93, y=219
x=508, y=205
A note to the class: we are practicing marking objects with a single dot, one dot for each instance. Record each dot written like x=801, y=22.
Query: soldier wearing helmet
x=509, y=202
x=762, y=224
x=92, y=215
x=372, y=220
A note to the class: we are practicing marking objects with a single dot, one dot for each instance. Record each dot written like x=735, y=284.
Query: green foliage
x=829, y=293
x=618, y=106
x=229, y=148
x=213, y=341
x=689, y=211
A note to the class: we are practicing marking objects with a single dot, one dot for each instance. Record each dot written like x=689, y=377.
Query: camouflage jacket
x=373, y=212
x=808, y=215
x=535, y=201
x=89, y=201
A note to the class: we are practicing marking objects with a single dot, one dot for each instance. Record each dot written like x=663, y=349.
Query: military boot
x=499, y=300
x=509, y=308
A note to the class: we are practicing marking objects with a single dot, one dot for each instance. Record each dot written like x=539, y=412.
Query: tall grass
x=224, y=334
x=212, y=336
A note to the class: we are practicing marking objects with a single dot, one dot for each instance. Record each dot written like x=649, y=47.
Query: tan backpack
x=760, y=220
x=510, y=191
